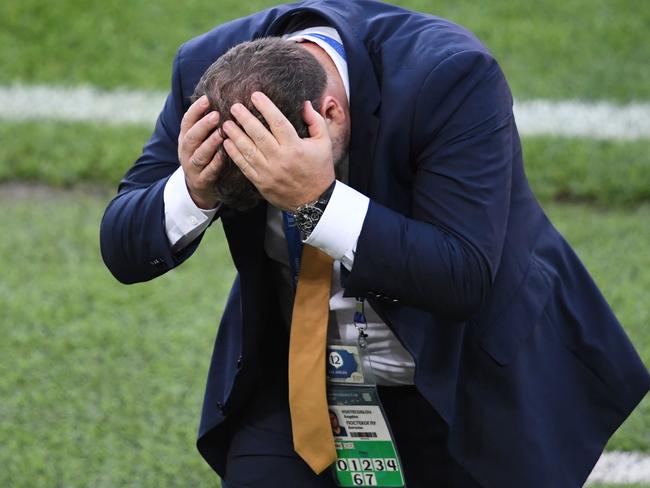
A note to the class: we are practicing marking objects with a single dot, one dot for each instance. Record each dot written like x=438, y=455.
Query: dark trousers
x=261, y=452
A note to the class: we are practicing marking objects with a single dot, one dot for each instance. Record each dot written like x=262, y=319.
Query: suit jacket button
x=395, y=300
x=220, y=407
x=157, y=263
x=240, y=362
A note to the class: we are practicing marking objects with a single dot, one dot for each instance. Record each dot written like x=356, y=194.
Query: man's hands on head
x=197, y=151
x=288, y=171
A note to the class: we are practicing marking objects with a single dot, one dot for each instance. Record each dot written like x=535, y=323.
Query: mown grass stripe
x=563, y=118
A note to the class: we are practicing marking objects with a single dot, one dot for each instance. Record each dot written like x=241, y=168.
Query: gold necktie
x=312, y=432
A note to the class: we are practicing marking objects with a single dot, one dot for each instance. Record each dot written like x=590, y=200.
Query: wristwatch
x=307, y=216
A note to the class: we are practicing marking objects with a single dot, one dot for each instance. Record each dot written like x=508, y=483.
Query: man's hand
x=288, y=171
x=197, y=152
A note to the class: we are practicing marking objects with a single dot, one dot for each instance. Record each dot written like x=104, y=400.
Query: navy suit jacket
x=533, y=378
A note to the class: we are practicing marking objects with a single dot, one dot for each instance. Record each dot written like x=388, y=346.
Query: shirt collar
x=329, y=40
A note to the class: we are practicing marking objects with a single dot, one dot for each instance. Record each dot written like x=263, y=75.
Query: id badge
x=365, y=450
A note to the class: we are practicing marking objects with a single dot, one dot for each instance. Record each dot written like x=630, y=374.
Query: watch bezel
x=307, y=217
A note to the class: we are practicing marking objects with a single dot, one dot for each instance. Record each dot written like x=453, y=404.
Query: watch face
x=307, y=217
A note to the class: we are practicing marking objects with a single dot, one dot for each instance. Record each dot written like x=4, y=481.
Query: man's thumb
x=315, y=122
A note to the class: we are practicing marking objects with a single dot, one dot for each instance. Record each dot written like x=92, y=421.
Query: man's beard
x=234, y=190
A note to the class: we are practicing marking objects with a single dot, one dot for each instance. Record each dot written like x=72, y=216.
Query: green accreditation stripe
x=368, y=463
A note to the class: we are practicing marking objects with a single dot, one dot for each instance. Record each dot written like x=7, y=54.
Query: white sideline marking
x=621, y=467
x=80, y=104
x=594, y=120
x=563, y=118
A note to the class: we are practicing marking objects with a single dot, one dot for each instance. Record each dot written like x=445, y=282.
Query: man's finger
x=245, y=145
x=197, y=134
x=281, y=128
x=193, y=114
x=211, y=170
x=206, y=151
x=315, y=122
x=249, y=170
x=259, y=134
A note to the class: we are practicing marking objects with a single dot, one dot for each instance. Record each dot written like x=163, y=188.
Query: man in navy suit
x=498, y=360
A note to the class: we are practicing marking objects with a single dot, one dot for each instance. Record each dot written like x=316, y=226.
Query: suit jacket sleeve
x=133, y=240
x=445, y=255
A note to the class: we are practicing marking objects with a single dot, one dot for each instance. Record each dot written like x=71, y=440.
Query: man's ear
x=332, y=111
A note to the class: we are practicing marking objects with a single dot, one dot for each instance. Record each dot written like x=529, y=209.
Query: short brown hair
x=286, y=73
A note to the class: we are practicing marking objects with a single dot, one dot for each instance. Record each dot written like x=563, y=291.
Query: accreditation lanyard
x=366, y=454
x=294, y=245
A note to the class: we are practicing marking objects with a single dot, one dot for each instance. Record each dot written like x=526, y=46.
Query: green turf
x=607, y=173
x=618, y=486
x=62, y=154
x=603, y=172
x=108, y=44
x=553, y=48
x=101, y=383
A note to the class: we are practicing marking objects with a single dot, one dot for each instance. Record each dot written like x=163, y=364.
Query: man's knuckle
x=299, y=151
x=189, y=140
x=260, y=137
x=278, y=124
x=249, y=153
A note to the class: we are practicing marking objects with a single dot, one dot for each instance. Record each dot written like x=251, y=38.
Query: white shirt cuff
x=184, y=221
x=338, y=229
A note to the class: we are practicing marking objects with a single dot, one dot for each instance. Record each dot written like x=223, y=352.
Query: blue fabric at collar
x=336, y=45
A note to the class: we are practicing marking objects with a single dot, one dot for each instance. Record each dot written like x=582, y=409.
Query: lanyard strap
x=294, y=244
x=336, y=45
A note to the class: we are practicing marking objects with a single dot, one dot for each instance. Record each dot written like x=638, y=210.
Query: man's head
x=289, y=75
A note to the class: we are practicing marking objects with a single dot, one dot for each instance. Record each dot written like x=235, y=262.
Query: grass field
x=101, y=384
x=550, y=48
